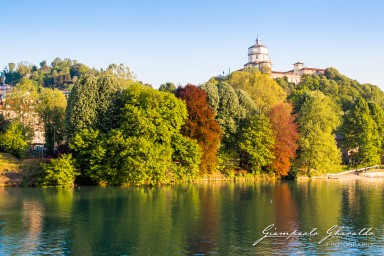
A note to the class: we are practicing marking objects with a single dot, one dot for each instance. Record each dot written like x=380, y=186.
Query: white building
x=258, y=57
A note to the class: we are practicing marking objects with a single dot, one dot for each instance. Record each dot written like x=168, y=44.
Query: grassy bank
x=18, y=172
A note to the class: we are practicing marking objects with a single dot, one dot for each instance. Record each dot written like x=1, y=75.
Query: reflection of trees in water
x=285, y=208
x=363, y=205
x=203, y=238
x=286, y=214
x=134, y=220
x=225, y=218
x=33, y=215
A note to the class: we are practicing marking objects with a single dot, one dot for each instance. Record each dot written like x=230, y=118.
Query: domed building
x=258, y=57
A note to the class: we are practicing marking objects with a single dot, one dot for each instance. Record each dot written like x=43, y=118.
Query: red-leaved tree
x=201, y=125
x=286, y=135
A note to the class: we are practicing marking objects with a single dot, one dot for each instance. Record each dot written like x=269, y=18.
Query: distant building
x=258, y=57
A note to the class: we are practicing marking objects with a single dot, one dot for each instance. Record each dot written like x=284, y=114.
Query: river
x=219, y=218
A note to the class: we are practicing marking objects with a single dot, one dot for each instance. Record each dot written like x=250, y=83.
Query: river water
x=220, y=218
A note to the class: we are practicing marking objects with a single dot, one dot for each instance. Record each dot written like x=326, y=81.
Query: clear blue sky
x=190, y=41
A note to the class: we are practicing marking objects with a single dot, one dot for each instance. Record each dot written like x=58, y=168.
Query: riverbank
x=18, y=172
x=373, y=172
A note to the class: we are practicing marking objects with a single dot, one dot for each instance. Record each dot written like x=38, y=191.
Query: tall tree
x=23, y=101
x=318, y=119
x=286, y=134
x=228, y=113
x=93, y=96
x=257, y=142
x=377, y=114
x=360, y=132
x=231, y=108
x=82, y=104
x=51, y=108
x=213, y=98
x=201, y=125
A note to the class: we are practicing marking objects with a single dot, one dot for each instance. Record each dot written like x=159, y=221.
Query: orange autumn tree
x=201, y=125
x=286, y=135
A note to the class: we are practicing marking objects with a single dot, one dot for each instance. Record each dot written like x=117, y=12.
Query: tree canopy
x=360, y=131
x=257, y=142
x=318, y=119
x=263, y=90
x=286, y=134
x=201, y=125
x=51, y=108
x=145, y=147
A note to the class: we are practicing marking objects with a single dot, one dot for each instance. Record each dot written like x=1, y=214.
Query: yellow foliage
x=263, y=90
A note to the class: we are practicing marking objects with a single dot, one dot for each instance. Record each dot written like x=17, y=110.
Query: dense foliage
x=264, y=91
x=318, y=119
x=123, y=131
x=51, y=108
x=60, y=172
x=257, y=143
x=144, y=147
x=15, y=139
x=23, y=101
x=60, y=74
x=359, y=137
x=286, y=135
x=362, y=132
x=201, y=125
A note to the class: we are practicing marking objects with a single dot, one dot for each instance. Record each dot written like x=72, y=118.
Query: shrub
x=14, y=140
x=60, y=172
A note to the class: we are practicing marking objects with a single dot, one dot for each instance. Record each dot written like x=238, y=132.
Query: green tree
x=257, y=143
x=213, y=97
x=60, y=172
x=15, y=140
x=228, y=113
x=11, y=75
x=51, y=108
x=82, y=104
x=377, y=114
x=263, y=90
x=121, y=71
x=247, y=106
x=186, y=157
x=231, y=108
x=360, y=132
x=168, y=87
x=318, y=119
x=23, y=69
x=145, y=147
x=11, y=67
x=93, y=97
x=287, y=86
x=23, y=100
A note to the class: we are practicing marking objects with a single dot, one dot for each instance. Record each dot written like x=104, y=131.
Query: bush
x=14, y=140
x=60, y=172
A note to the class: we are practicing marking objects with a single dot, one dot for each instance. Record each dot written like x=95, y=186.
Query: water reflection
x=32, y=219
x=215, y=218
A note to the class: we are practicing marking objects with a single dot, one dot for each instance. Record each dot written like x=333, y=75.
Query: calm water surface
x=195, y=219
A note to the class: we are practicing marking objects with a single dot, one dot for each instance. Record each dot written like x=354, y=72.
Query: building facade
x=258, y=57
